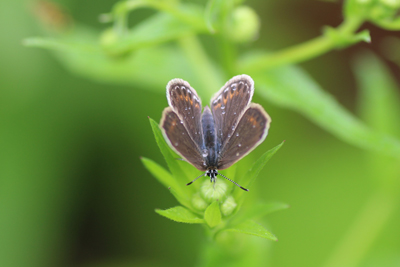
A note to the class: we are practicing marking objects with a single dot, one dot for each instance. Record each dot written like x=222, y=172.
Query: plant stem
x=364, y=230
x=201, y=64
x=228, y=54
x=301, y=52
x=178, y=11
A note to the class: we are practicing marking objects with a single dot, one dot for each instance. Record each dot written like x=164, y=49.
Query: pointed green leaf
x=170, y=156
x=252, y=228
x=212, y=215
x=180, y=214
x=301, y=93
x=162, y=175
x=212, y=13
x=184, y=200
x=257, y=210
x=362, y=36
x=380, y=108
x=379, y=97
x=253, y=172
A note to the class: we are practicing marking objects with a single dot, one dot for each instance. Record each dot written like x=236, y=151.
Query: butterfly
x=226, y=131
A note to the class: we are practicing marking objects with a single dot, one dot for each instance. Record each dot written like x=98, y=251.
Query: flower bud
x=198, y=202
x=228, y=206
x=211, y=192
x=244, y=26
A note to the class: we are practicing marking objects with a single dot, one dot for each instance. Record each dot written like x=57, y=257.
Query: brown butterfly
x=224, y=133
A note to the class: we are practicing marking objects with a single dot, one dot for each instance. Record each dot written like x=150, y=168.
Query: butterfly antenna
x=196, y=179
x=233, y=182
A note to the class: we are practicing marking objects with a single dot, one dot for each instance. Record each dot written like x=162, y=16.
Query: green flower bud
x=228, y=206
x=198, y=202
x=211, y=192
x=244, y=26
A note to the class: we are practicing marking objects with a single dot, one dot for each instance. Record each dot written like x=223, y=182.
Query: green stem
x=201, y=64
x=228, y=55
x=365, y=229
x=301, y=52
x=179, y=11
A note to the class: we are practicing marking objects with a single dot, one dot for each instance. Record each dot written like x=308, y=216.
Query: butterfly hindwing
x=250, y=131
x=178, y=138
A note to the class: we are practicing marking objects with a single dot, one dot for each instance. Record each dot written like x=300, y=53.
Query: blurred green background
x=73, y=191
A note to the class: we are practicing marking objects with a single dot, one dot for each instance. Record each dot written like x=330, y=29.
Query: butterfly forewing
x=248, y=134
x=185, y=102
x=229, y=104
x=177, y=136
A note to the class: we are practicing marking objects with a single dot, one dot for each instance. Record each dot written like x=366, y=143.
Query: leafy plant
x=217, y=208
x=167, y=45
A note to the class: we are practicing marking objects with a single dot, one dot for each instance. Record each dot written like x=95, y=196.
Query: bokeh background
x=73, y=191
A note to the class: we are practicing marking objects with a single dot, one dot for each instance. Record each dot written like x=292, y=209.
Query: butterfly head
x=212, y=173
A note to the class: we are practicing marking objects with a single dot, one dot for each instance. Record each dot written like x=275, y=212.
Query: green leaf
x=250, y=227
x=212, y=13
x=189, y=13
x=212, y=215
x=256, y=211
x=169, y=155
x=380, y=107
x=162, y=175
x=184, y=200
x=379, y=97
x=180, y=214
x=157, y=29
x=362, y=36
x=165, y=178
x=290, y=87
x=253, y=172
x=79, y=51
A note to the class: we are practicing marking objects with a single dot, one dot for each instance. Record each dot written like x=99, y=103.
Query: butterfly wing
x=178, y=138
x=185, y=102
x=250, y=131
x=229, y=104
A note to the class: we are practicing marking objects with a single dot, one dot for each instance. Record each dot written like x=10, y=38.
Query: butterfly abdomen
x=207, y=122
